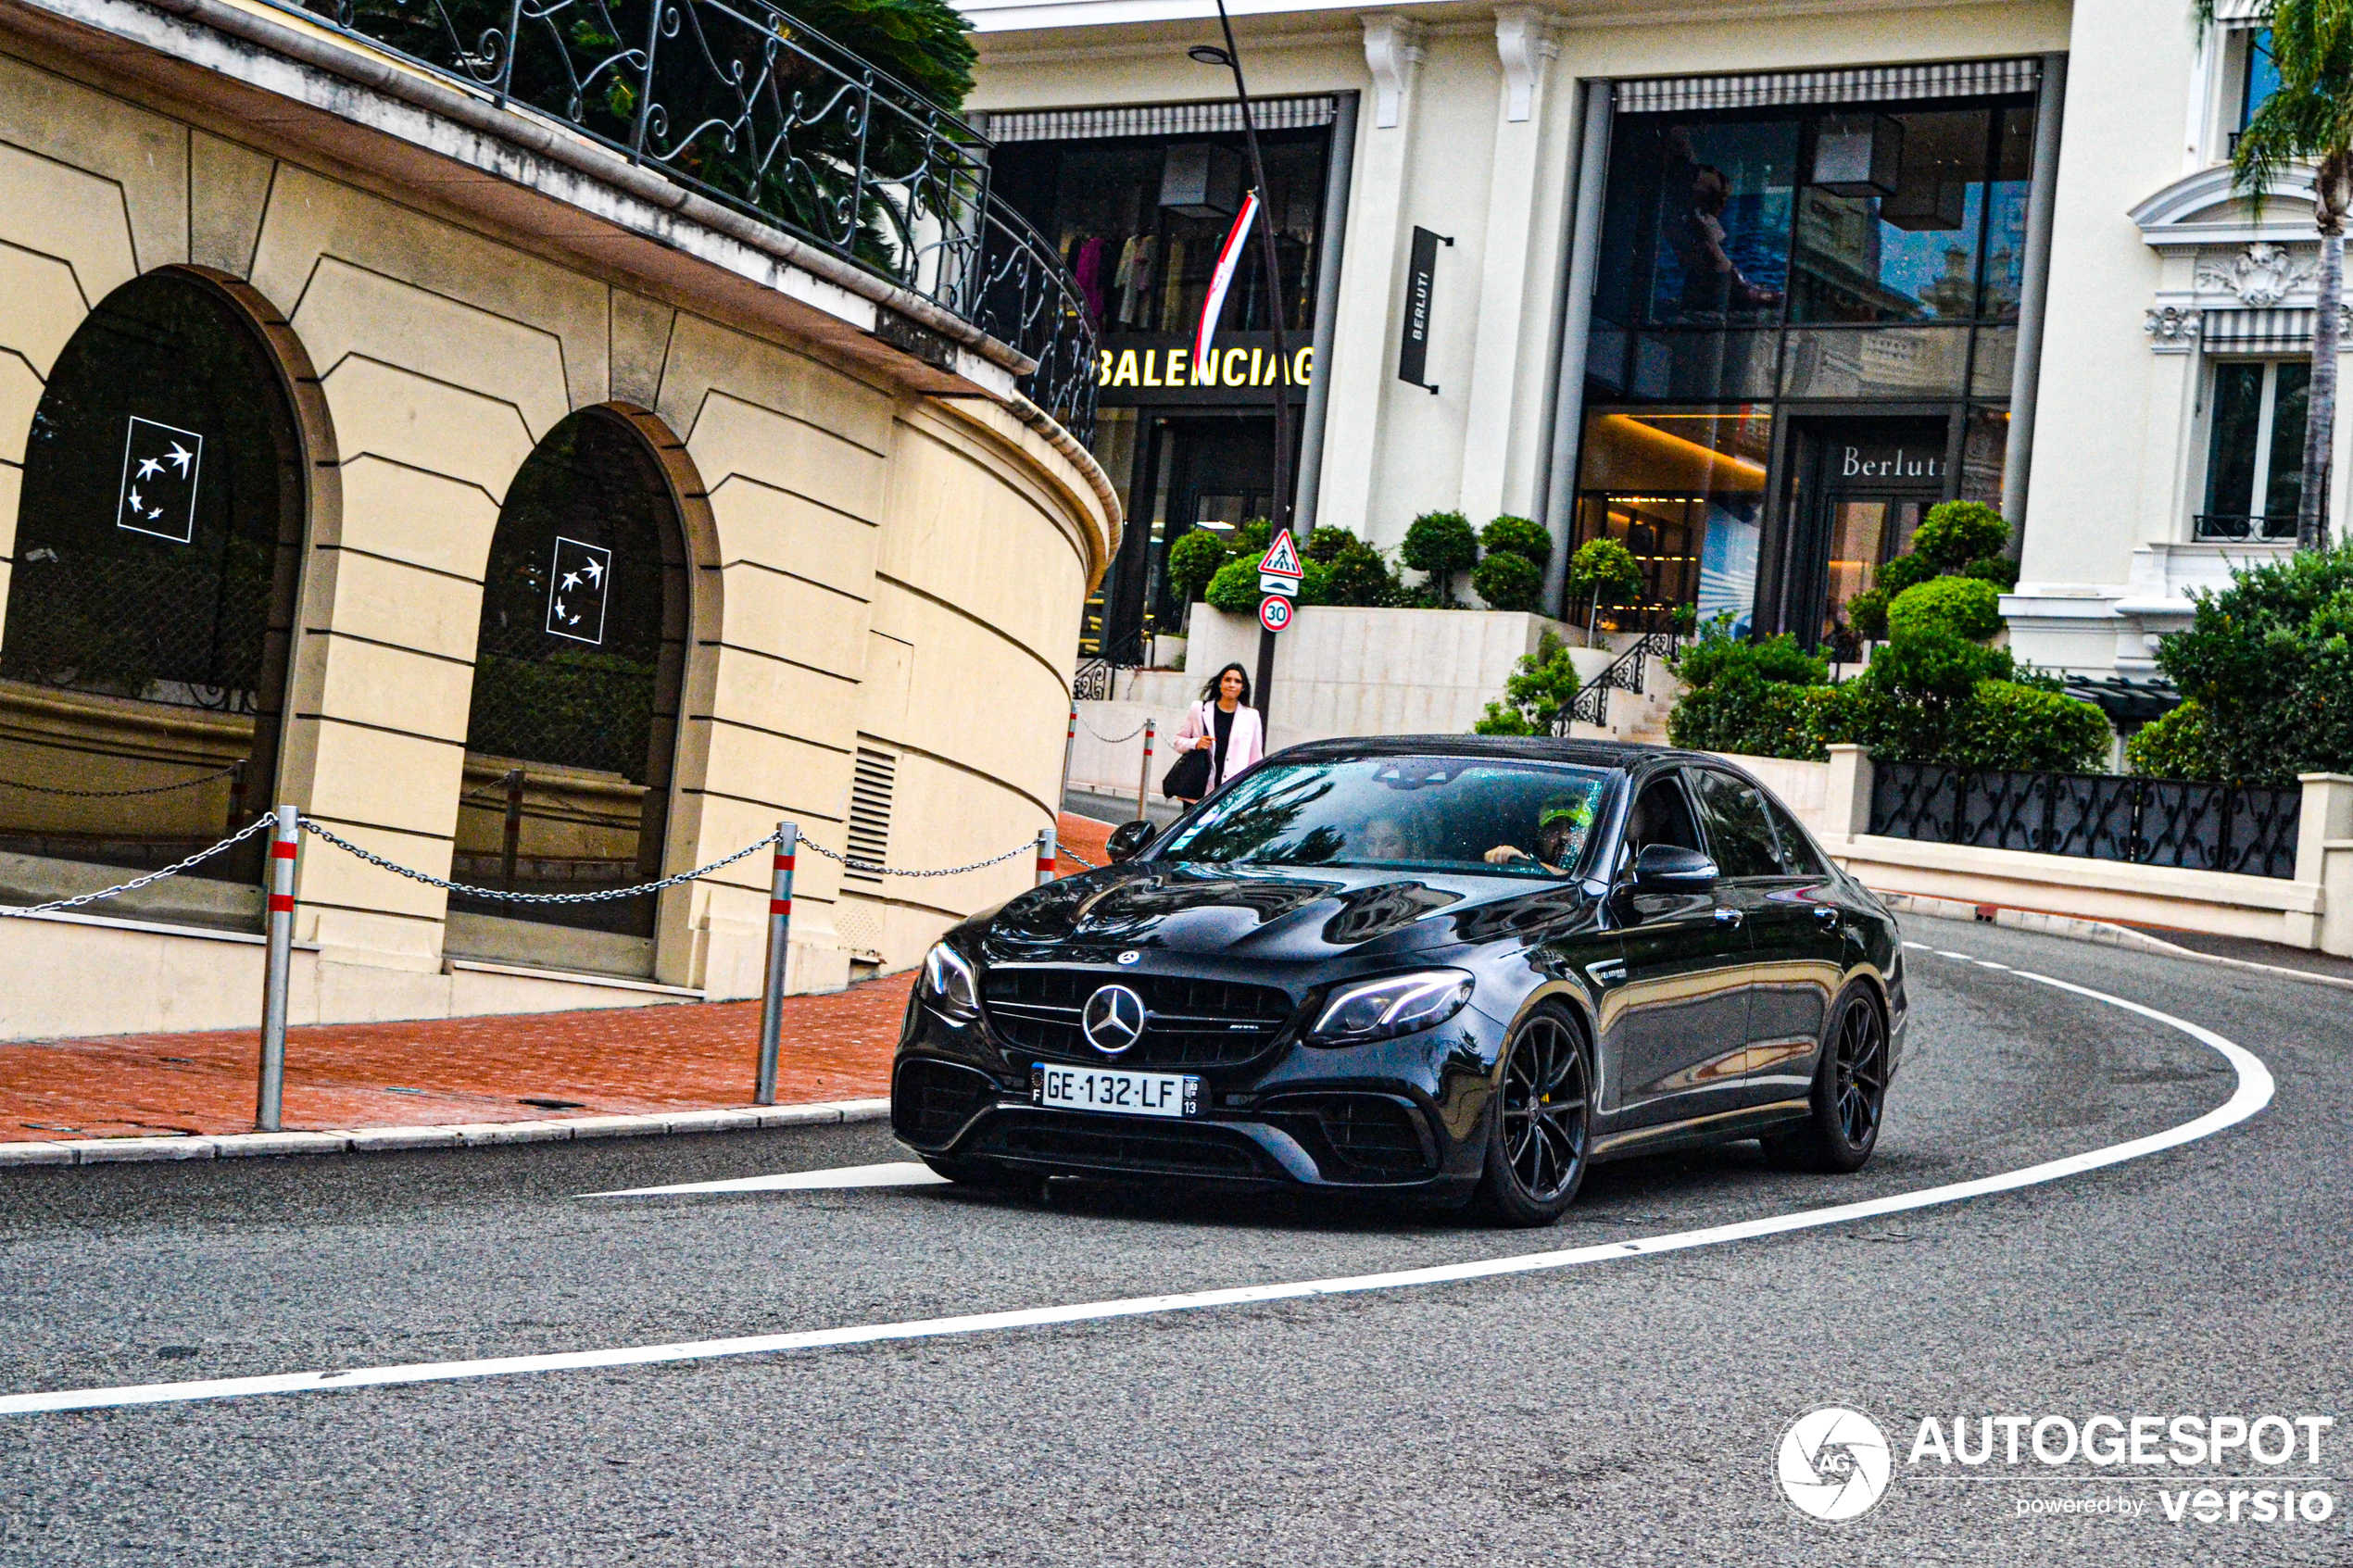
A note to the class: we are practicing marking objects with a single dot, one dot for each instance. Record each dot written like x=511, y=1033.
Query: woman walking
x=1224, y=725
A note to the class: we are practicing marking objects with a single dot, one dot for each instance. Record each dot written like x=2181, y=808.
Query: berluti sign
x=1242, y=368
x=1870, y=464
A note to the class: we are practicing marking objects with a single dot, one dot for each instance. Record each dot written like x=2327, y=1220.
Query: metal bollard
x=1046, y=854
x=1144, y=779
x=771, y=995
x=1070, y=749
x=277, y=962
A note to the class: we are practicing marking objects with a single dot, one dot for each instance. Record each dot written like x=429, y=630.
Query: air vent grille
x=870, y=793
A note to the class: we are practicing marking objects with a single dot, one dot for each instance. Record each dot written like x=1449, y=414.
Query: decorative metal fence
x=737, y=100
x=1626, y=673
x=2205, y=827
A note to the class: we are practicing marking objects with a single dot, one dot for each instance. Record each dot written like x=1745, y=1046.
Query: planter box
x=1346, y=671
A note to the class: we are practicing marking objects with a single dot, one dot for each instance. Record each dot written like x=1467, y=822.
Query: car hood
x=1276, y=913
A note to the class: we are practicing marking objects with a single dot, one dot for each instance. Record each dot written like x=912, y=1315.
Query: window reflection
x=1908, y=256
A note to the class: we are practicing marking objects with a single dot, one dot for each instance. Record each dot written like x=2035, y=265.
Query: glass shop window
x=1684, y=490
x=1697, y=224
x=2255, y=449
x=1888, y=228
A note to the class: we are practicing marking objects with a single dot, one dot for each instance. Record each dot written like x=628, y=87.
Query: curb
x=473, y=1134
x=2105, y=931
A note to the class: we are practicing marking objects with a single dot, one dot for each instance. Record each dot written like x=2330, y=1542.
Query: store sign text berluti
x=1241, y=369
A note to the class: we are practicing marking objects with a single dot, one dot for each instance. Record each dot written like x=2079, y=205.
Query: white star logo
x=594, y=570
x=150, y=467
x=179, y=458
x=571, y=580
x=136, y=504
x=560, y=610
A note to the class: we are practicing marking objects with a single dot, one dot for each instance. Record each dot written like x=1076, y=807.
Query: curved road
x=1624, y=1411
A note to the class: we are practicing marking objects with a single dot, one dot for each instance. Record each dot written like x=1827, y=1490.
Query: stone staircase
x=1638, y=716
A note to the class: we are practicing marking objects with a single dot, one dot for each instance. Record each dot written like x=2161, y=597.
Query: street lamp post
x=1230, y=57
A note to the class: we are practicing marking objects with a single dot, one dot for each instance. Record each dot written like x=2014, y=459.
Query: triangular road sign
x=1282, y=557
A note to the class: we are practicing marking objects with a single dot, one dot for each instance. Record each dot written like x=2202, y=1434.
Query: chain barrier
x=876, y=868
x=1112, y=740
x=257, y=825
x=120, y=793
x=600, y=896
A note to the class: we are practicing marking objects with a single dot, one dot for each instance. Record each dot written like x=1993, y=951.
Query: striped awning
x=2242, y=10
x=1153, y=119
x=1869, y=84
x=2283, y=330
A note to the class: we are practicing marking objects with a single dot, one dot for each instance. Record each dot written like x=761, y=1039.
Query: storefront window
x=1909, y=256
x=1684, y=490
x=2005, y=207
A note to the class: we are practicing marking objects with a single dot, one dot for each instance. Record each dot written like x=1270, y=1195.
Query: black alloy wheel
x=1542, y=1141
x=1849, y=1098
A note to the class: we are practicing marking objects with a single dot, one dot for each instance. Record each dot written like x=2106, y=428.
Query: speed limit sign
x=1274, y=612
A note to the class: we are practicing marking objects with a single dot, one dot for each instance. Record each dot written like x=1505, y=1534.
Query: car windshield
x=1433, y=813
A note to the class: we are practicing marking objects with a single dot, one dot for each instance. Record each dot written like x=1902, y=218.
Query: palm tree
x=2310, y=119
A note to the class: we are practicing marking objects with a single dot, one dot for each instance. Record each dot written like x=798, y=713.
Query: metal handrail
x=1625, y=674
x=740, y=102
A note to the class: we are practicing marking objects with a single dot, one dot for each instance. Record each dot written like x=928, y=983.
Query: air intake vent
x=870, y=816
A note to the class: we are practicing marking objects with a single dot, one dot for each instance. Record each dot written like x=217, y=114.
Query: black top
x=1224, y=722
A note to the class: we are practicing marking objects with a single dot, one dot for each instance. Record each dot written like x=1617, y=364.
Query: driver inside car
x=1561, y=827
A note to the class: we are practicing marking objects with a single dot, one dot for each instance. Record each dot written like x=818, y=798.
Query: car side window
x=1660, y=816
x=1740, y=835
x=1799, y=857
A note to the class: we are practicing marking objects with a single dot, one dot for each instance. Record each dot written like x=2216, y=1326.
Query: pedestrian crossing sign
x=1281, y=559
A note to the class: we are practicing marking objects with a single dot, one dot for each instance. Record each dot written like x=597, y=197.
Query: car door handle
x=1728, y=917
x=1827, y=913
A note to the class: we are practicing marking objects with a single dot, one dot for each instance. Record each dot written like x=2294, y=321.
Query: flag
x=1229, y=257
x=577, y=582
x=159, y=466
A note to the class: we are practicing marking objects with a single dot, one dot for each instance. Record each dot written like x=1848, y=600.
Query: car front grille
x=1188, y=1023
x=1355, y=1137
x=930, y=1099
x=1144, y=1148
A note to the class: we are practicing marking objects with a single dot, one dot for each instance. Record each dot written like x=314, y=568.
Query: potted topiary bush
x=1441, y=544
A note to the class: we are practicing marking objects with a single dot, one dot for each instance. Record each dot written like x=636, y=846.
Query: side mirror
x=1130, y=839
x=1664, y=868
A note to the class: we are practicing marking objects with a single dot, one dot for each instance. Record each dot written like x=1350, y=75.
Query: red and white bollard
x=277, y=962
x=1048, y=855
x=1144, y=780
x=771, y=997
x=1070, y=749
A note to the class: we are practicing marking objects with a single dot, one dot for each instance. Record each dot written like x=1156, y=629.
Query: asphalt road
x=1622, y=1411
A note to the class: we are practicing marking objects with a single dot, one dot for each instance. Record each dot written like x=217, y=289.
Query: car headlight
x=1398, y=1004
x=949, y=983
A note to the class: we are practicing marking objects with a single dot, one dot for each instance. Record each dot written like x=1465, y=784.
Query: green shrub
x=1235, y=588
x=2173, y=746
x=1252, y=538
x=1325, y=544
x=1964, y=607
x=1602, y=571
x=1193, y=559
x=2000, y=571
x=1360, y=576
x=1441, y=544
x=2010, y=724
x=1500, y=719
x=1508, y=581
x=1776, y=659
x=1956, y=533
x=1866, y=614
x=2269, y=660
x=1315, y=583
x=1905, y=571
x=1743, y=714
x=1516, y=536
x=1543, y=684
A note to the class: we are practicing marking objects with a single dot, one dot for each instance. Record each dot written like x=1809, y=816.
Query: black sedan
x=1459, y=968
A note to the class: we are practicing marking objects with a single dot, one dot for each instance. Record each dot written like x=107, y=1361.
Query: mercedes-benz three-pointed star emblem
x=1113, y=1019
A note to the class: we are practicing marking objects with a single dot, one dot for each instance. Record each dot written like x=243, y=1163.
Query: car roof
x=1621, y=755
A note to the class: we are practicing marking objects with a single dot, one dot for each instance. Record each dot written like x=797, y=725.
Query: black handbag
x=1188, y=777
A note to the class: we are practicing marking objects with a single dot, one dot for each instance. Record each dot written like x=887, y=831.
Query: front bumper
x=1403, y=1115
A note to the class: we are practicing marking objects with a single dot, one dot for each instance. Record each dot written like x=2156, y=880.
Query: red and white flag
x=1229, y=257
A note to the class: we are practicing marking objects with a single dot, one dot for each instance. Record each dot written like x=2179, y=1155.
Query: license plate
x=1106, y=1088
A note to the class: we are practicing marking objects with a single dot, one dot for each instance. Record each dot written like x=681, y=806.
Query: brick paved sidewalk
x=525, y=1067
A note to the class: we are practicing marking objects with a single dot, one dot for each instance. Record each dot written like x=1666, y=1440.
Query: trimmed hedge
x=1508, y=581
x=1964, y=606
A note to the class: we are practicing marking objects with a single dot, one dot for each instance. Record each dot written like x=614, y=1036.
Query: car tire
x=1849, y=1099
x=1540, y=1139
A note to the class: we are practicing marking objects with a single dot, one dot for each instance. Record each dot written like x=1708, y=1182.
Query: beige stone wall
x=867, y=561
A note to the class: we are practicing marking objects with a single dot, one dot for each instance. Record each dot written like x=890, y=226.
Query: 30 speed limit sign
x=1274, y=612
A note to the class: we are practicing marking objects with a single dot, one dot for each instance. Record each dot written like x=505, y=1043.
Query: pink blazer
x=1244, y=746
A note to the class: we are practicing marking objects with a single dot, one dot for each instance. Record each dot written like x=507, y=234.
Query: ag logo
x=1835, y=1463
x=1113, y=1019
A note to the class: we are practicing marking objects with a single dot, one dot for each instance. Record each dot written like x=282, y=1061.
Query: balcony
x=736, y=101
x=2216, y=527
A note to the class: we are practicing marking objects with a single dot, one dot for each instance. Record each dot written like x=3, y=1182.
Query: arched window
x=574, y=722
x=142, y=661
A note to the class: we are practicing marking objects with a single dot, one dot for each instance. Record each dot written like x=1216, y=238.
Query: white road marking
x=894, y=1173
x=2252, y=1093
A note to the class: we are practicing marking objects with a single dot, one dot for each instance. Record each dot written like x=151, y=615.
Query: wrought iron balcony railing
x=737, y=100
x=2244, y=525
